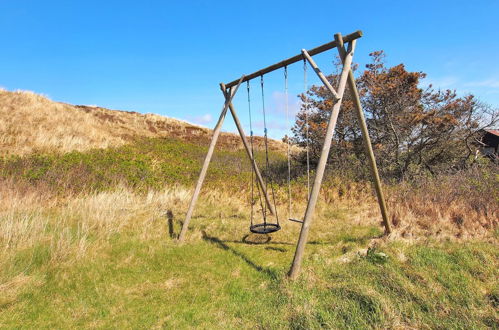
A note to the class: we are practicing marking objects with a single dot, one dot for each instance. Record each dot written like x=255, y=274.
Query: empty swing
x=265, y=226
x=305, y=105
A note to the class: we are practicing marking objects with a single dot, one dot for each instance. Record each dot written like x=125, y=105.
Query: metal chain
x=265, y=140
x=253, y=178
x=287, y=138
x=251, y=143
x=305, y=87
x=267, y=158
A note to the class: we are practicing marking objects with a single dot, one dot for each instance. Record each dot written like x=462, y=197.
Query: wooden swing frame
x=346, y=77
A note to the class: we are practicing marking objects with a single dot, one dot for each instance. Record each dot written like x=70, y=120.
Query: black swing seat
x=295, y=220
x=265, y=228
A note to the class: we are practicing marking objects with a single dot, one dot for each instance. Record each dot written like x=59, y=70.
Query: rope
x=267, y=157
x=265, y=139
x=306, y=125
x=251, y=143
x=253, y=154
x=287, y=139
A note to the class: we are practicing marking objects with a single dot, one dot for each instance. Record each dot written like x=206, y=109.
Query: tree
x=412, y=129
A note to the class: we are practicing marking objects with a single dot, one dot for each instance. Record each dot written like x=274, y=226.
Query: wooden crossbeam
x=296, y=58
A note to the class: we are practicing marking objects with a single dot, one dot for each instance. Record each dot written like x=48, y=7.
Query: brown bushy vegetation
x=459, y=206
x=414, y=129
x=33, y=123
x=463, y=205
x=426, y=144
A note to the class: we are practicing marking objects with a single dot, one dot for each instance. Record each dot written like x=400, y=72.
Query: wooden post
x=249, y=152
x=307, y=219
x=367, y=145
x=204, y=169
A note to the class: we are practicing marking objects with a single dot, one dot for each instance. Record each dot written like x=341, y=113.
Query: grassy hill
x=33, y=123
x=87, y=236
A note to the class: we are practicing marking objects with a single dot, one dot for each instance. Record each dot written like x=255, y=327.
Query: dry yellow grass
x=71, y=227
x=463, y=206
x=31, y=217
x=31, y=122
x=76, y=230
x=442, y=214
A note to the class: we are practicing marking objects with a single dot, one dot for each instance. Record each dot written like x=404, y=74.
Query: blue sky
x=168, y=57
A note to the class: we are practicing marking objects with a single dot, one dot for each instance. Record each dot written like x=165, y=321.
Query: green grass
x=214, y=282
x=137, y=276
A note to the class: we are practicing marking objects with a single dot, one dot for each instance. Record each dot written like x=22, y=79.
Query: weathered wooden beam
x=294, y=59
x=321, y=166
x=321, y=75
x=216, y=132
x=367, y=145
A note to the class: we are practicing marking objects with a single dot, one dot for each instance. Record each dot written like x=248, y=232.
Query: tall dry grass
x=29, y=219
x=72, y=227
x=464, y=205
x=458, y=206
x=57, y=230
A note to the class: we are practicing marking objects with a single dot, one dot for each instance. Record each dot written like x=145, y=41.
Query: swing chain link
x=305, y=103
x=287, y=139
x=267, y=163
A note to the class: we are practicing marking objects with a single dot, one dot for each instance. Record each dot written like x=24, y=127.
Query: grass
x=109, y=260
x=230, y=288
x=147, y=163
x=462, y=205
x=87, y=239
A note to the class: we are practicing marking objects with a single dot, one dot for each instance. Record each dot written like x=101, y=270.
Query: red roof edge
x=492, y=131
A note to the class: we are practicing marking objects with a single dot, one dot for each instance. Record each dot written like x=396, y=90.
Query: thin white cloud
x=201, y=120
x=442, y=82
x=276, y=115
x=278, y=104
x=486, y=89
x=488, y=83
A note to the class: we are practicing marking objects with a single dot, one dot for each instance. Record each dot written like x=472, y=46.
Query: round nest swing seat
x=265, y=228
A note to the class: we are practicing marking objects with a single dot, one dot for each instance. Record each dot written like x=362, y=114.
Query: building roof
x=492, y=131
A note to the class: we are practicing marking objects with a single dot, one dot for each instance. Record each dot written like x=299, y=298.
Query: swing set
x=267, y=227
x=345, y=46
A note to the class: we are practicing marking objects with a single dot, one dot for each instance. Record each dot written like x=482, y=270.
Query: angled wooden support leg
x=209, y=154
x=367, y=145
x=319, y=174
x=249, y=152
